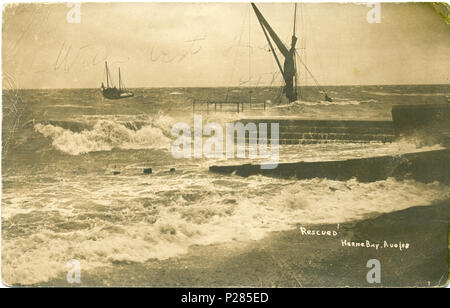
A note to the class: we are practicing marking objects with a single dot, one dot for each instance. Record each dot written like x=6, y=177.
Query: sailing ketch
x=110, y=91
x=289, y=69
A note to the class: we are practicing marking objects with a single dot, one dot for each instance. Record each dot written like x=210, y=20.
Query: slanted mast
x=288, y=71
x=289, y=68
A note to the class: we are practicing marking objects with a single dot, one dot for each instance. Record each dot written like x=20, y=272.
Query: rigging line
x=271, y=47
x=303, y=22
x=278, y=89
x=296, y=80
x=295, y=62
x=235, y=57
x=279, y=96
x=249, y=47
x=312, y=76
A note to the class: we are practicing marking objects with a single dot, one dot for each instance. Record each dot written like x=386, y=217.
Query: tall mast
x=107, y=74
x=295, y=17
x=120, y=80
x=295, y=62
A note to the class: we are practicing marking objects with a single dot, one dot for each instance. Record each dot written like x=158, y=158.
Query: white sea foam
x=319, y=103
x=162, y=217
x=404, y=94
x=104, y=136
x=103, y=219
x=70, y=106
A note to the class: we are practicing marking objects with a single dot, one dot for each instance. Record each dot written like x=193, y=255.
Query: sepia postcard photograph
x=225, y=145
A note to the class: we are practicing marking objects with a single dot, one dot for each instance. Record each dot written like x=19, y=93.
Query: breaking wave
x=168, y=215
x=104, y=136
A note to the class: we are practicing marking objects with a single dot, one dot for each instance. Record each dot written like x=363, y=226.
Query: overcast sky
x=216, y=44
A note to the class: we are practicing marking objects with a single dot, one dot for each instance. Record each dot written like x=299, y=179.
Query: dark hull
x=113, y=93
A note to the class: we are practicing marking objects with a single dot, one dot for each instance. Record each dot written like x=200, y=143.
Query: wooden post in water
x=237, y=104
x=193, y=106
x=207, y=107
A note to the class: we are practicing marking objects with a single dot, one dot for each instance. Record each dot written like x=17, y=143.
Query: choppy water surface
x=60, y=200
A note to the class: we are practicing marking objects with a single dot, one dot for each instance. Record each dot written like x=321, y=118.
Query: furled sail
x=288, y=70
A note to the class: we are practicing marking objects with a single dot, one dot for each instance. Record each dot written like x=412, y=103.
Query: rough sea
x=61, y=200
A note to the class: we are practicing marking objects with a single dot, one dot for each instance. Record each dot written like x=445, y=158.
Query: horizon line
x=193, y=87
